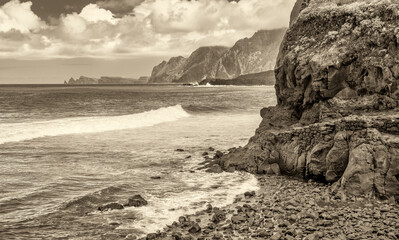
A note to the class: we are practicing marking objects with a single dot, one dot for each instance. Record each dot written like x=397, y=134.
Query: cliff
x=192, y=69
x=262, y=78
x=250, y=55
x=337, y=119
x=247, y=56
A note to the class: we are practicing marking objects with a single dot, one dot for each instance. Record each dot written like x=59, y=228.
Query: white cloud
x=19, y=16
x=93, y=13
x=155, y=27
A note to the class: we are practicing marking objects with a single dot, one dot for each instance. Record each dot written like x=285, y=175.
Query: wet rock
x=218, y=215
x=214, y=169
x=237, y=219
x=250, y=194
x=182, y=219
x=195, y=228
x=137, y=201
x=218, y=155
x=111, y=206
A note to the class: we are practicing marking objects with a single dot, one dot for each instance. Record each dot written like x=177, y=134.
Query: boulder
x=136, y=201
x=111, y=206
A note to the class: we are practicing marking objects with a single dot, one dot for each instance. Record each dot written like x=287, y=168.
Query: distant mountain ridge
x=247, y=56
x=106, y=80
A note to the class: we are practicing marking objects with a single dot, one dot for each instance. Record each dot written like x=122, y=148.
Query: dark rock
x=182, y=219
x=250, y=194
x=156, y=177
x=214, y=169
x=218, y=215
x=195, y=228
x=211, y=149
x=218, y=154
x=205, y=154
x=136, y=201
x=111, y=206
x=179, y=150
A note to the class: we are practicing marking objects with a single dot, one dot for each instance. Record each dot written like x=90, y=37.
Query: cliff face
x=167, y=72
x=192, y=69
x=200, y=64
x=337, y=119
x=250, y=55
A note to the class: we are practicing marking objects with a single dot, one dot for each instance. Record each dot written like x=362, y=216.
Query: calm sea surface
x=65, y=151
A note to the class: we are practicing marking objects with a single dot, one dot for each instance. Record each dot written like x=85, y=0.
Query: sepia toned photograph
x=199, y=119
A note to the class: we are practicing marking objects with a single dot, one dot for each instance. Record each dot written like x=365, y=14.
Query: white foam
x=159, y=212
x=15, y=132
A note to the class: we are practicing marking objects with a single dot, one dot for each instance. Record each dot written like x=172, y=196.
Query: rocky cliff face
x=192, y=69
x=250, y=55
x=337, y=117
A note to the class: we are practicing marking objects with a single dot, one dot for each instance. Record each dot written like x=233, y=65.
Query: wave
x=16, y=132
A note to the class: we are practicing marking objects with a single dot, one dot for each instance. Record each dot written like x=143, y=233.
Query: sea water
x=65, y=151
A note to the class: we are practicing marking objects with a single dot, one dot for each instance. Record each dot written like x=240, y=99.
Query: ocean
x=66, y=150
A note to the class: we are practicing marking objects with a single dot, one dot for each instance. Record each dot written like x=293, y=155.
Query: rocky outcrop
x=262, y=78
x=106, y=81
x=250, y=55
x=83, y=81
x=337, y=116
x=195, y=68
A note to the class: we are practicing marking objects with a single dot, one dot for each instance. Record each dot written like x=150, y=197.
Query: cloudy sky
x=138, y=34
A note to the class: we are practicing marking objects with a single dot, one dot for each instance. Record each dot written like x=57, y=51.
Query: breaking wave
x=15, y=132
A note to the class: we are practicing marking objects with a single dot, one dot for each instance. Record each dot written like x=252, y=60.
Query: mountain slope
x=250, y=55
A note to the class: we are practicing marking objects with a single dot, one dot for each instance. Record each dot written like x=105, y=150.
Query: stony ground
x=290, y=209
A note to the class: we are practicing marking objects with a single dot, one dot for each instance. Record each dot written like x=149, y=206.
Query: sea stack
x=337, y=118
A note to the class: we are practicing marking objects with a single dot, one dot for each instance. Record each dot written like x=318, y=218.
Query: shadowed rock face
x=250, y=55
x=185, y=70
x=337, y=88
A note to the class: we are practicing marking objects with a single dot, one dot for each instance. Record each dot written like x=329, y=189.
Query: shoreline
x=288, y=208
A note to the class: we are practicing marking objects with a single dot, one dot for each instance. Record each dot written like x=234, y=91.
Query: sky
x=131, y=35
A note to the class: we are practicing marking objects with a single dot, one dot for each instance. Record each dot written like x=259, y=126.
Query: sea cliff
x=248, y=56
x=337, y=117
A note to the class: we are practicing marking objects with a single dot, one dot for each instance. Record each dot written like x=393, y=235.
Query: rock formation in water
x=247, y=56
x=250, y=55
x=192, y=69
x=106, y=80
x=262, y=78
x=83, y=81
x=337, y=118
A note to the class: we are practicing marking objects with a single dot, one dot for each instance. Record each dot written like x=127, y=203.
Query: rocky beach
x=288, y=208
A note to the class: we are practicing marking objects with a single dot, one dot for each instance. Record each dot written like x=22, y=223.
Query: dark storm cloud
x=50, y=10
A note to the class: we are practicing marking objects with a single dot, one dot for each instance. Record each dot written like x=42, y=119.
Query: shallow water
x=65, y=151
